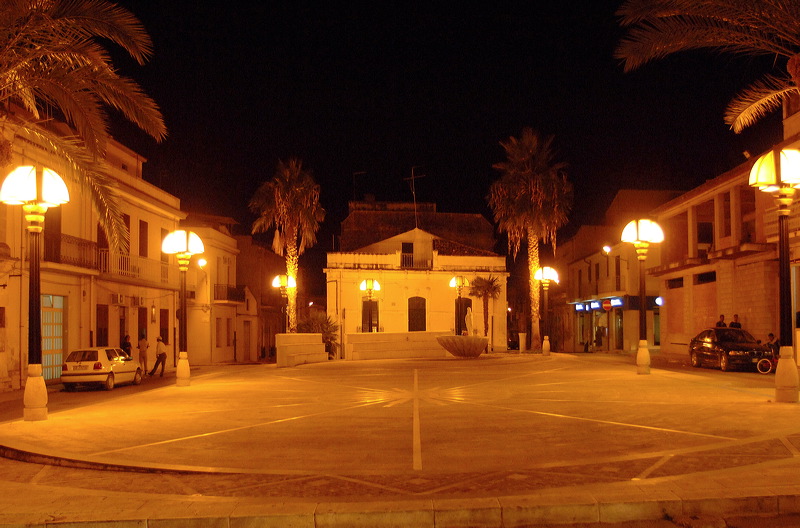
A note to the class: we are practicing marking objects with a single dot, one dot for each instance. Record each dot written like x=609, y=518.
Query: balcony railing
x=225, y=292
x=67, y=249
x=122, y=265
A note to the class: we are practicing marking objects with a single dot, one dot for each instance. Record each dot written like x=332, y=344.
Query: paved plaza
x=502, y=440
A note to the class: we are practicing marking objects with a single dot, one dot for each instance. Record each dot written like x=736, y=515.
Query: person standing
x=143, y=346
x=126, y=346
x=161, y=356
x=721, y=321
x=735, y=323
x=773, y=344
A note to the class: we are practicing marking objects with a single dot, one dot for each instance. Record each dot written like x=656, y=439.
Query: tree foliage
x=289, y=205
x=485, y=288
x=53, y=64
x=530, y=201
x=659, y=28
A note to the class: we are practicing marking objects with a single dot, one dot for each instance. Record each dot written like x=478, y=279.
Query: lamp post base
x=786, y=379
x=35, y=395
x=182, y=373
x=546, y=346
x=643, y=358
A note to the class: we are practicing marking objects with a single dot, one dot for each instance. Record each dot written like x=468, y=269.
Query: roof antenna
x=413, y=179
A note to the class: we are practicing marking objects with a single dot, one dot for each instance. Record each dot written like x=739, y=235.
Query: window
x=218, y=340
x=163, y=325
x=142, y=318
x=416, y=314
x=142, y=238
x=126, y=219
x=407, y=255
x=369, y=315
x=102, y=325
x=675, y=283
x=164, y=256
x=705, y=278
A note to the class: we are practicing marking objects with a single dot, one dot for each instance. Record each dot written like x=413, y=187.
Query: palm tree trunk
x=533, y=265
x=292, y=259
x=485, y=315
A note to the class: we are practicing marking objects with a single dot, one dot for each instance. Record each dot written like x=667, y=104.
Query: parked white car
x=106, y=366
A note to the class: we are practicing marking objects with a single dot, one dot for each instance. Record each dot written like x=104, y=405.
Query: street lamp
x=459, y=283
x=546, y=275
x=778, y=172
x=369, y=286
x=183, y=244
x=284, y=282
x=642, y=233
x=36, y=189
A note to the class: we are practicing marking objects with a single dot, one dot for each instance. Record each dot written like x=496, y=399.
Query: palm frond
x=87, y=172
x=758, y=100
x=99, y=18
x=657, y=39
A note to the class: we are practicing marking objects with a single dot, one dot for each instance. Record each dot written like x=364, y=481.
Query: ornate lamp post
x=459, y=283
x=284, y=282
x=642, y=233
x=546, y=275
x=183, y=244
x=369, y=286
x=778, y=172
x=36, y=189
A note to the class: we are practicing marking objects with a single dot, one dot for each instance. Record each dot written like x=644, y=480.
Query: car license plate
x=81, y=367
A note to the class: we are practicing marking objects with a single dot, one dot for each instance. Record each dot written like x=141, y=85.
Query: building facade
x=600, y=289
x=413, y=253
x=91, y=294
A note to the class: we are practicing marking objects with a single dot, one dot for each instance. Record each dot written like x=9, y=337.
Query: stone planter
x=463, y=346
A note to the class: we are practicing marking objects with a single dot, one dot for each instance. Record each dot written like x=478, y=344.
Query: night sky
x=362, y=92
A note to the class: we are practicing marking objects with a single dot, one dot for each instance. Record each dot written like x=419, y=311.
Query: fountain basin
x=463, y=346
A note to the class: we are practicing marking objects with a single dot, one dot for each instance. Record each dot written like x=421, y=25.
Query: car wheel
x=137, y=377
x=695, y=360
x=724, y=365
x=69, y=387
x=109, y=383
x=764, y=366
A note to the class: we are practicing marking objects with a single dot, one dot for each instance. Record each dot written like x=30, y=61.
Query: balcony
x=139, y=270
x=227, y=293
x=70, y=250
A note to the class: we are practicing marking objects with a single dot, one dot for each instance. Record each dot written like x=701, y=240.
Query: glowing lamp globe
x=182, y=242
x=369, y=284
x=20, y=187
x=642, y=231
x=769, y=176
x=546, y=274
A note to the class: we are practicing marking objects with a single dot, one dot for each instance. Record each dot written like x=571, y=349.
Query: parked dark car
x=726, y=348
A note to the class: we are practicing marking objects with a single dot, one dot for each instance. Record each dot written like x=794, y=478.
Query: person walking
x=735, y=323
x=161, y=356
x=126, y=346
x=143, y=346
x=721, y=321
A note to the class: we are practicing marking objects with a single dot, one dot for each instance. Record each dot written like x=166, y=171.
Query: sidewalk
x=504, y=440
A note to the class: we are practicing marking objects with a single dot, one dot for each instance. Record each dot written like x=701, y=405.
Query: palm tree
x=659, y=28
x=289, y=202
x=530, y=201
x=53, y=64
x=486, y=288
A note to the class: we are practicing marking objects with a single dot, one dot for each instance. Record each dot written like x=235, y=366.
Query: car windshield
x=82, y=355
x=735, y=336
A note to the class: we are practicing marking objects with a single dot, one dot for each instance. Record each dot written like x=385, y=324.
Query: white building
x=413, y=255
x=91, y=295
